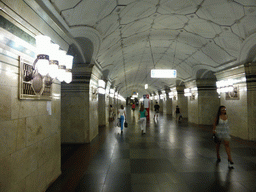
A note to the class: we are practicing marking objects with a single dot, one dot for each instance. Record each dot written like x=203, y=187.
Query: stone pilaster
x=208, y=101
x=181, y=101
x=79, y=117
x=250, y=71
x=102, y=105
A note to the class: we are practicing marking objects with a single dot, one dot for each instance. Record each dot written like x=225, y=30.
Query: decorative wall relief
x=94, y=93
x=233, y=95
x=37, y=88
x=193, y=97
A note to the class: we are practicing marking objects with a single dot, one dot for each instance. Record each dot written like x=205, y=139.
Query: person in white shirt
x=122, y=114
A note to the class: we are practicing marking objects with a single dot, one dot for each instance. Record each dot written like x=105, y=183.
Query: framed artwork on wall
x=36, y=88
x=233, y=95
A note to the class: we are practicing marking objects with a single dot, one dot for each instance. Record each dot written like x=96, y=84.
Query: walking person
x=221, y=130
x=133, y=108
x=177, y=112
x=142, y=116
x=122, y=115
x=156, y=107
x=111, y=113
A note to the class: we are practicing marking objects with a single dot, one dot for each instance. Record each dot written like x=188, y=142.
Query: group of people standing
x=221, y=130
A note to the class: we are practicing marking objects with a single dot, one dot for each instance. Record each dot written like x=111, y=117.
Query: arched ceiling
x=139, y=35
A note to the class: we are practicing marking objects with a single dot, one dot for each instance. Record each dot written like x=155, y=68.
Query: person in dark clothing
x=156, y=106
x=177, y=111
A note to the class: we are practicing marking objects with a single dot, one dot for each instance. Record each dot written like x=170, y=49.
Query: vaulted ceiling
x=131, y=37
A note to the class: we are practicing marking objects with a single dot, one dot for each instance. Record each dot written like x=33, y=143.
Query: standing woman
x=221, y=129
x=142, y=117
x=177, y=111
x=122, y=115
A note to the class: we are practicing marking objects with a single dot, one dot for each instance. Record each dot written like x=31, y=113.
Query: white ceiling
x=191, y=36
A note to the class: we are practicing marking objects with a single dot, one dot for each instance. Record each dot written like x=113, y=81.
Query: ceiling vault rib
x=122, y=47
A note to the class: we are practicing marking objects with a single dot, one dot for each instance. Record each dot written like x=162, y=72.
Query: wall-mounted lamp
x=112, y=93
x=101, y=87
x=225, y=86
x=187, y=92
x=173, y=94
x=50, y=62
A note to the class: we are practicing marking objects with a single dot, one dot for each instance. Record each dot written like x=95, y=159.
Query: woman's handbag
x=125, y=124
x=215, y=138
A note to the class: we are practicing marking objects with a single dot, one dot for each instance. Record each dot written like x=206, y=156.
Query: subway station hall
x=127, y=95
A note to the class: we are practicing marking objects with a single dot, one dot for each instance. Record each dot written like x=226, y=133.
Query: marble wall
x=193, y=110
x=208, y=104
x=74, y=116
x=168, y=105
x=79, y=117
x=29, y=130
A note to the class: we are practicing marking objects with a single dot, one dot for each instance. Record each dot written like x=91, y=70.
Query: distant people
x=142, y=116
x=177, y=112
x=111, y=113
x=221, y=130
x=133, y=107
x=156, y=107
x=122, y=115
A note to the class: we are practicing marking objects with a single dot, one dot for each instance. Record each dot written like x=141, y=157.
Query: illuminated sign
x=163, y=73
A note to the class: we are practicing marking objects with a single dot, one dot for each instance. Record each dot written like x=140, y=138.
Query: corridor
x=171, y=156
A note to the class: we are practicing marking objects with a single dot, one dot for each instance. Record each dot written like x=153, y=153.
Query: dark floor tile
x=144, y=145
x=120, y=179
x=151, y=166
x=146, y=187
x=121, y=154
x=146, y=178
x=245, y=152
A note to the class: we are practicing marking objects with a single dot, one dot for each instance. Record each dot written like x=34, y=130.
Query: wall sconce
x=101, y=87
x=187, y=92
x=50, y=63
x=116, y=95
x=173, y=94
x=112, y=93
x=225, y=86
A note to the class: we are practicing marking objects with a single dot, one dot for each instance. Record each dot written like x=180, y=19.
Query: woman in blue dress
x=221, y=130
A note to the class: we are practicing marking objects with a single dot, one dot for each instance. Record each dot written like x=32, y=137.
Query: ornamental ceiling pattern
x=194, y=37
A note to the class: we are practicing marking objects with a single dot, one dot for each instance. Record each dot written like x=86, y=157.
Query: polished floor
x=172, y=156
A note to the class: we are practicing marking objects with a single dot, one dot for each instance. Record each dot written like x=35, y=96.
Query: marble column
x=208, y=101
x=250, y=71
x=161, y=104
x=204, y=102
x=102, y=109
x=79, y=106
x=181, y=101
x=168, y=103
